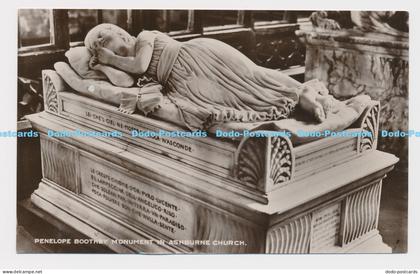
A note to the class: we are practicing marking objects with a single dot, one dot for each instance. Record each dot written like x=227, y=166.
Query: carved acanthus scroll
x=51, y=84
x=251, y=163
x=370, y=123
x=264, y=162
x=281, y=160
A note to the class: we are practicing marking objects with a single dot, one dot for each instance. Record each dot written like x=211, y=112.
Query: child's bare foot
x=320, y=105
x=329, y=103
x=309, y=101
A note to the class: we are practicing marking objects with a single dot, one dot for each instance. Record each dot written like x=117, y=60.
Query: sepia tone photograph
x=212, y=131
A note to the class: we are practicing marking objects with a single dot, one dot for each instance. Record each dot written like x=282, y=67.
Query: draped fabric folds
x=211, y=82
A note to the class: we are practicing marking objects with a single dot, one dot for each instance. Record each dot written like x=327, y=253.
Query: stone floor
x=25, y=242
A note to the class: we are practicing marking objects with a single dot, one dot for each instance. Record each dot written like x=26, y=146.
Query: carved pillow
x=79, y=58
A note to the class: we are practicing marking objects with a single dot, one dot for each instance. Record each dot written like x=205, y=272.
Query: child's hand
x=93, y=62
x=104, y=55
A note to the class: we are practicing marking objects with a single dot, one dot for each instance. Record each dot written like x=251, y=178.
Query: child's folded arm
x=117, y=77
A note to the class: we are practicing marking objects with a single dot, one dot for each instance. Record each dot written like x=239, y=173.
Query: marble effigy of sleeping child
x=108, y=84
x=205, y=81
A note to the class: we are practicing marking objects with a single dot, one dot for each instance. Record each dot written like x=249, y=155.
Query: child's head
x=111, y=37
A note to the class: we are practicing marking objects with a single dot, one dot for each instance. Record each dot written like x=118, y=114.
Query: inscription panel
x=307, y=163
x=325, y=228
x=177, y=147
x=138, y=201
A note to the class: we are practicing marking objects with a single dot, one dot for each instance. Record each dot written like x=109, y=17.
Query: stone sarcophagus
x=206, y=195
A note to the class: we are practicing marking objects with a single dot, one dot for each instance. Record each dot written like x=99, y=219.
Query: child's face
x=116, y=44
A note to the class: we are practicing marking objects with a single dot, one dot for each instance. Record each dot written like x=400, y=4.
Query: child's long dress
x=211, y=82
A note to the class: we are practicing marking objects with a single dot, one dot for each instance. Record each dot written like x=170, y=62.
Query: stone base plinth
x=136, y=200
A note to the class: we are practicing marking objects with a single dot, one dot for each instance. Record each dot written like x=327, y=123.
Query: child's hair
x=96, y=34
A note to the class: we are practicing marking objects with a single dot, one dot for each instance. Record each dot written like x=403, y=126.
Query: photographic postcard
x=213, y=131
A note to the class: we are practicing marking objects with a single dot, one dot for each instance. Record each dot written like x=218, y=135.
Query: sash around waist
x=167, y=60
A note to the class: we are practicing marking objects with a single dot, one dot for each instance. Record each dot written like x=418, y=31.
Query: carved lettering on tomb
x=137, y=201
x=325, y=228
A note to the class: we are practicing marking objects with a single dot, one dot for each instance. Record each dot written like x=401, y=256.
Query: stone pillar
x=352, y=63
